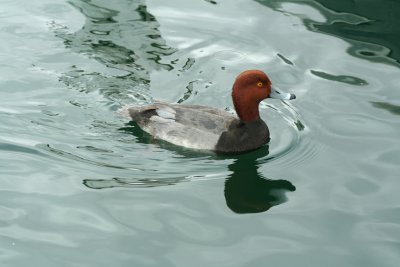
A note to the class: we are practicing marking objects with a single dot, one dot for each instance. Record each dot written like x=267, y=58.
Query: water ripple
x=336, y=144
x=125, y=64
x=394, y=109
x=286, y=128
x=71, y=156
x=17, y=232
x=340, y=78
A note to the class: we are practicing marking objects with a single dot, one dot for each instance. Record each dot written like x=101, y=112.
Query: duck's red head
x=249, y=89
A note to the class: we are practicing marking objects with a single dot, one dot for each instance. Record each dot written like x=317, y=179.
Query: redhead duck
x=207, y=128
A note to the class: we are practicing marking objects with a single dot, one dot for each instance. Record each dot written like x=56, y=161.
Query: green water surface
x=82, y=186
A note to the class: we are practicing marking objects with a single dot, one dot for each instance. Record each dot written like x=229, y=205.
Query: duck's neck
x=246, y=109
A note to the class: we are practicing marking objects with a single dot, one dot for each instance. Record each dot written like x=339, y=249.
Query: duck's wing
x=183, y=125
x=204, y=118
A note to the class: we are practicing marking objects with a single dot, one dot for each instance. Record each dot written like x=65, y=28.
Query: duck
x=211, y=129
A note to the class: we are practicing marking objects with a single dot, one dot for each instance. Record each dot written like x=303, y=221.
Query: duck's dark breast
x=242, y=137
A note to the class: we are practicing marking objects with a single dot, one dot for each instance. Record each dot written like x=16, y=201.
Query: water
x=80, y=186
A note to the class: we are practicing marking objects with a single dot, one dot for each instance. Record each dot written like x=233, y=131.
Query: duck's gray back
x=196, y=127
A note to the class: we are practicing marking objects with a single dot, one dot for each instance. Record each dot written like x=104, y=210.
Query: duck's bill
x=277, y=94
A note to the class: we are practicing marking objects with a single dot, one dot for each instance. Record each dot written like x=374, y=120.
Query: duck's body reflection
x=247, y=191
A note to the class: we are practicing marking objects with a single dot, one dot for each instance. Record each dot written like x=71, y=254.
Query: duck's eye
x=260, y=84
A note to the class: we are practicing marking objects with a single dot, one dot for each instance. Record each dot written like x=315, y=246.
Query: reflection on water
x=246, y=190
x=211, y=2
x=125, y=40
x=372, y=30
x=168, y=207
x=340, y=78
x=131, y=183
x=394, y=109
x=381, y=27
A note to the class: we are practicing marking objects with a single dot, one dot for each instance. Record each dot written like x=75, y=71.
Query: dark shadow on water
x=381, y=29
x=339, y=78
x=376, y=34
x=394, y=109
x=246, y=189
